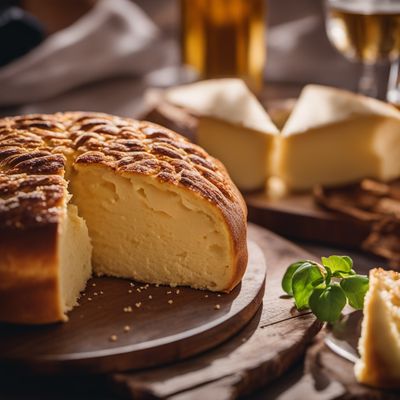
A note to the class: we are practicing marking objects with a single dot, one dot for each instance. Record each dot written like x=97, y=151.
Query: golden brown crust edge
x=238, y=229
x=29, y=284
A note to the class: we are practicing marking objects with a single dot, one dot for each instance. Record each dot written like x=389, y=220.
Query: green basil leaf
x=304, y=280
x=349, y=261
x=355, y=288
x=287, y=278
x=327, y=304
x=338, y=263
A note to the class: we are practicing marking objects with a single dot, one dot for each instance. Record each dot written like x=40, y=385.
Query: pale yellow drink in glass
x=367, y=33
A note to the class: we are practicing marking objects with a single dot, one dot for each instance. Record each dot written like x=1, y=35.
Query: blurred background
x=103, y=55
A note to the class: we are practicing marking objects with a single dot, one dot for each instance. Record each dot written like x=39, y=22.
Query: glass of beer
x=368, y=31
x=225, y=38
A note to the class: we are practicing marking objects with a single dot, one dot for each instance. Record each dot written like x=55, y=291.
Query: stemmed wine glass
x=368, y=31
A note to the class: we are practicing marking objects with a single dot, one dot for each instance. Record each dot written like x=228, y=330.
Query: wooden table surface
x=295, y=384
x=124, y=96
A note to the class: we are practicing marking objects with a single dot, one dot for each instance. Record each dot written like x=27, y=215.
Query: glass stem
x=368, y=85
x=393, y=92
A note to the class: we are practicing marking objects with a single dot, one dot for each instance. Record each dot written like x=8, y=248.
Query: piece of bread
x=156, y=208
x=379, y=345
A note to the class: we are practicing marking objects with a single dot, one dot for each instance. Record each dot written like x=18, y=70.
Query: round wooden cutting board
x=122, y=325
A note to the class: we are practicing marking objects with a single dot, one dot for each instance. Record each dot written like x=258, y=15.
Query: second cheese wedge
x=233, y=127
x=334, y=137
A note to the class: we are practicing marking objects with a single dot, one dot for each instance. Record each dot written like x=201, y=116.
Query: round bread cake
x=84, y=193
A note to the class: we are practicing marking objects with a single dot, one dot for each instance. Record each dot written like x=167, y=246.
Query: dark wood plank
x=277, y=344
x=165, y=325
x=274, y=340
x=298, y=217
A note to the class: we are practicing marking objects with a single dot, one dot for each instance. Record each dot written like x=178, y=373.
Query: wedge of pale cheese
x=233, y=127
x=336, y=137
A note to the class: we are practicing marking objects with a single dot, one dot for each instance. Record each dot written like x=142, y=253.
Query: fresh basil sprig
x=325, y=288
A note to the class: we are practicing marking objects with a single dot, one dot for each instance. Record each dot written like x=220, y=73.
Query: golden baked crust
x=29, y=284
x=36, y=151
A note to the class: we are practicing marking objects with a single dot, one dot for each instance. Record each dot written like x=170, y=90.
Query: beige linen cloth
x=115, y=38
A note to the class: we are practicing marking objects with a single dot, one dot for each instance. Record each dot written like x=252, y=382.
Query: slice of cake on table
x=155, y=207
x=233, y=127
x=335, y=137
x=379, y=345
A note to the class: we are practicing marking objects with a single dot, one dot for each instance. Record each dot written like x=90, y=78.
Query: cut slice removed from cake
x=233, y=127
x=379, y=345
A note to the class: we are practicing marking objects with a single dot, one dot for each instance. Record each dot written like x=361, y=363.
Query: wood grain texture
x=122, y=325
x=298, y=217
x=274, y=340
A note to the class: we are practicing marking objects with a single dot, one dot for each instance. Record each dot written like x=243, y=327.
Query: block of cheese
x=379, y=345
x=233, y=127
x=334, y=137
x=155, y=207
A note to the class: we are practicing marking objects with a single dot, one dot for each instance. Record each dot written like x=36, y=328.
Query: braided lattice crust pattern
x=37, y=152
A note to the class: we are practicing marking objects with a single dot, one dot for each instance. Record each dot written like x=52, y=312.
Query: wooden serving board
x=122, y=325
x=297, y=216
x=263, y=350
